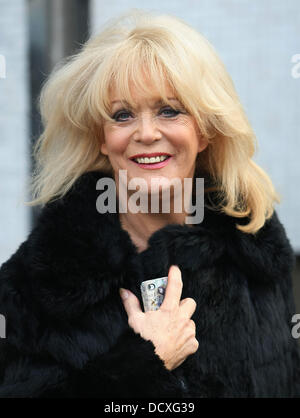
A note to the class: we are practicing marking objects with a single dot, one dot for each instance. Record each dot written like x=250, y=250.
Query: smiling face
x=152, y=138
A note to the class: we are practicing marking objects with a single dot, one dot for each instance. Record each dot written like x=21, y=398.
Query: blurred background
x=258, y=40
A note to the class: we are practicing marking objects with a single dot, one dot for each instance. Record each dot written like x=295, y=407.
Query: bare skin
x=170, y=328
x=140, y=226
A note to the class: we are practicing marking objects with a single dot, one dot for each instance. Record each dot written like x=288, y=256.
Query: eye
x=122, y=116
x=169, y=112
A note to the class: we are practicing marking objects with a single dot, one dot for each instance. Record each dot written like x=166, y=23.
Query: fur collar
x=77, y=256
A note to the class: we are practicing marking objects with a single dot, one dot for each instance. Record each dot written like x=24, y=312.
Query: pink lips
x=153, y=166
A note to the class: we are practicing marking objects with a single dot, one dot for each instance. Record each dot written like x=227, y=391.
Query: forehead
x=133, y=93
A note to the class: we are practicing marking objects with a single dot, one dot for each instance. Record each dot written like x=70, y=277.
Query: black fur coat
x=67, y=333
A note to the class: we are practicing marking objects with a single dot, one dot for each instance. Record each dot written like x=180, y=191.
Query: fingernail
x=123, y=293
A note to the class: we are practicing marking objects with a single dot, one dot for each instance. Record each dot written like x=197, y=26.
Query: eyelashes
x=118, y=115
x=123, y=115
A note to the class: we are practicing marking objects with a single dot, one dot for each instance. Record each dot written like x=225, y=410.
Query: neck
x=141, y=226
x=145, y=222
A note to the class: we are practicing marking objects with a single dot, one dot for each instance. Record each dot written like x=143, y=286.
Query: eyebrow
x=157, y=102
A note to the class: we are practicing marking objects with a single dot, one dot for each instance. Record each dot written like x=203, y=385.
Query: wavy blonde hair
x=75, y=101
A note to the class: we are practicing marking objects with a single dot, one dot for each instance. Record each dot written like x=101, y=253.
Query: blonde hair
x=75, y=101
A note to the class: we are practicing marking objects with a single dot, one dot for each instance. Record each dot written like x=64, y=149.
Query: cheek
x=185, y=138
x=116, y=141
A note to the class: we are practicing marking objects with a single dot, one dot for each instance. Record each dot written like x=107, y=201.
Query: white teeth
x=151, y=160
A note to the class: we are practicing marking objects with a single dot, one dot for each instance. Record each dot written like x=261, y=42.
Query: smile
x=151, y=161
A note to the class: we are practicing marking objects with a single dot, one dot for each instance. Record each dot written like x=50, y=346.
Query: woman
x=148, y=87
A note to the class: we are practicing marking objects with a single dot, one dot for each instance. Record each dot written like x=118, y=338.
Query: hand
x=170, y=328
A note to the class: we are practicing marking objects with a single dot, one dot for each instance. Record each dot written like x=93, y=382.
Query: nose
x=147, y=130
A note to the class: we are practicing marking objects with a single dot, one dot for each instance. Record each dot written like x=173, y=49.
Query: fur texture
x=67, y=330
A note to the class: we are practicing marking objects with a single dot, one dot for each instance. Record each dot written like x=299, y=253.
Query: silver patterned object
x=153, y=293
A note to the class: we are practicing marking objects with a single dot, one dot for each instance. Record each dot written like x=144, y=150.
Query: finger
x=189, y=347
x=187, y=307
x=131, y=303
x=173, y=290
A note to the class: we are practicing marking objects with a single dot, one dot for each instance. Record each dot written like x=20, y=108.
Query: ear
x=102, y=143
x=103, y=148
x=203, y=142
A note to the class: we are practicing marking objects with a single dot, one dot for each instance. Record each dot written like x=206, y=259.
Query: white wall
x=256, y=40
x=14, y=131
